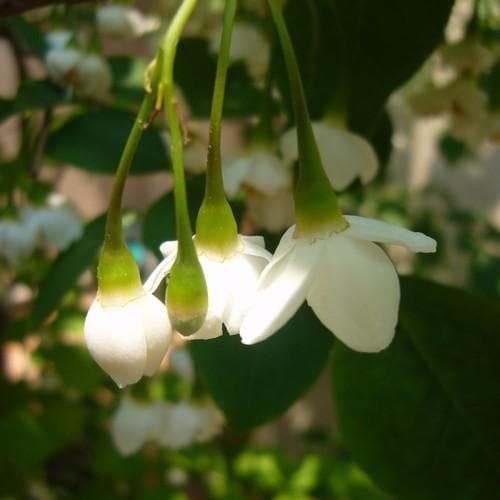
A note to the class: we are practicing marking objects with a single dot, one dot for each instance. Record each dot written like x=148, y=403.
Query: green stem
x=113, y=236
x=216, y=229
x=169, y=49
x=316, y=205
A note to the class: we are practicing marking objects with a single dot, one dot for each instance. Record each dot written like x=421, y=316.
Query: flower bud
x=187, y=298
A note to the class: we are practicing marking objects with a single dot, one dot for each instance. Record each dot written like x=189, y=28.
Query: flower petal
x=115, y=339
x=281, y=289
x=355, y=293
x=242, y=272
x=159, y=273
x=382, y=232
x=157, y=330
x=233, y=173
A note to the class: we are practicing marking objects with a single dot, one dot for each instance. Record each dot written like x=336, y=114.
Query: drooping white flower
x=136, y=421
x=58, y=224
x=186, y=423
x=18, y=237
x=467, y=57
x=348, y=281
x=344, y=154
x=125, y=22
x=180, y=362
x=248, y=44
x=230, y=282
x=61, y=63
x=128, y=335
x=259, y=169
x=58, y=39
x=93, y=77
x=272, y=213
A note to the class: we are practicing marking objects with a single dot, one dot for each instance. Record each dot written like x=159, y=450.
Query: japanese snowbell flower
x=18, y=237
x=259, y=169
x=346, y=278
x=344, y=154
x=124, y=22
x=231, y=283
x=127, y=334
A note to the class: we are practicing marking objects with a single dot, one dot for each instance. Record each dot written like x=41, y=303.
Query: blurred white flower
x=230, y=282
x=61, y=63
x=128, y=335
x=271, y=213
x=93, y=77
x=134, y=422
x=259, y=169
x=248, y=44
x=59, y=224
x=467, y=58
x=18, y=237
x=187, y=423
x=344, y=154
x=125, y=22
x=349, y=282
x=180, y=362
x=58, y=39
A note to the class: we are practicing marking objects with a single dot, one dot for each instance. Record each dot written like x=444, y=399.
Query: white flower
x=230, y=283
x=129, y=336
x=134, y=422
x=93, y=77
x=61, y=64
x=349, y=282
x=18, y=237
x=58, y=39
x=248, y=44
x=468, y=57
x=258, y=169
x=125, y=22
x=59, y=224
x=180, y=362
x=272, y=213
x=344, y=154
x=186, y=423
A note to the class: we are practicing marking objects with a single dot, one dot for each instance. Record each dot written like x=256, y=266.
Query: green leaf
x=66, y=269
x=27, y=34
x=195, y=73
x=159, y=221
x=253, y=384
x=422, y=416
x=94, y=141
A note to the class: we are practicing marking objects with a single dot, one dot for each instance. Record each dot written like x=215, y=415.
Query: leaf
x=422, y=416
x=159, y=221
x=357, y=52
x=66, y=269
x=27, y=34
x=94, y=141
x=253, y=384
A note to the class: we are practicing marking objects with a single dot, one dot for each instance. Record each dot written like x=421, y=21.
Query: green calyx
x=118, y=275
x=216, y=230
x=187, y=297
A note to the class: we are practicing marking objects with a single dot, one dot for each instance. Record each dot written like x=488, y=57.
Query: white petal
x=382, y=232
x=159, y=273
x=345, y=155
x=255, y=245
x=355, y=293
x=266, y=173
x=157, y=330
x=131, y=424
x=281, y=289
x=179, y=428
x=243, y=272
x=115, y=339
x=180, y=362
x=167, y=248
x=234, y=172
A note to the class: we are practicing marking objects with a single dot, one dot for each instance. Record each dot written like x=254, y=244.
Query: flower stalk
x=316, y=207
x=117, y=271
x=216, y=229
x=187, y=298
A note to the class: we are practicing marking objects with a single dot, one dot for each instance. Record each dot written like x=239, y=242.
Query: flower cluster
x=53, y=226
